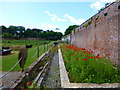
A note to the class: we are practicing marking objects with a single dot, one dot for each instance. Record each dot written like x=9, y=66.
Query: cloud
x=64, y=18
x=73, y=20
x=97, y=5
x=53, y=16
x=49, y=26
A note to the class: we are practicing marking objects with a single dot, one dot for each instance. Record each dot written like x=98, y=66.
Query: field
x=23, y=42
x=9, y=60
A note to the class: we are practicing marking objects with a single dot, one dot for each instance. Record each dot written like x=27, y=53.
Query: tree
x=12, y=29
x=3, y=29
x=70, y=28
x=7, y=35
x=20, y=31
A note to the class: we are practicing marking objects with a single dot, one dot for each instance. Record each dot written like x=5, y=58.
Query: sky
x=48, y=14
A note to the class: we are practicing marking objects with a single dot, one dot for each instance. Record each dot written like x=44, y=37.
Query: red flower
x=89, y=52
x=29, y=83
x=85, y=59
x=108, y=55
x=83, y=48
x=98, y=55
x=73, y=53
x=77, y=59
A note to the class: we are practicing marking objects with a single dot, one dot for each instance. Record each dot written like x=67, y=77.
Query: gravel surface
x=53, y=76
x=9, y=79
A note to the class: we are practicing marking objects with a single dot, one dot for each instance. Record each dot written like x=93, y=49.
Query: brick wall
x=102, y=34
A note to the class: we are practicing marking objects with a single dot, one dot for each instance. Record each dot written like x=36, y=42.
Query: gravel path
x=53, y=77
x=9, y=79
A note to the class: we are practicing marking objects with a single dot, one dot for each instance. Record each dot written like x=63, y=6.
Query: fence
x=39, y=51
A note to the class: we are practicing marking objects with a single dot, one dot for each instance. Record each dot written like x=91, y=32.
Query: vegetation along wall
x=100, y=33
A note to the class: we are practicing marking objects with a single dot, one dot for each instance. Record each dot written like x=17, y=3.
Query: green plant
x=84, y=67
x=88, y=23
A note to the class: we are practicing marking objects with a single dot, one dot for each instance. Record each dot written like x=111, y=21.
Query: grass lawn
x=23, y=42
x=10, y=60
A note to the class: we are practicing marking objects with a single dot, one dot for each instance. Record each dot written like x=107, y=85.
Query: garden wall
x=100, y=32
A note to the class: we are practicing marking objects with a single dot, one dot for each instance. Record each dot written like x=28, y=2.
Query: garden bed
x=85, y=70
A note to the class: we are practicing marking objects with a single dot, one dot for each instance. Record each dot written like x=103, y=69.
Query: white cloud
x=65, y=18
x=73, y=20
x=53, y=16
x=97, y=5
x=49, y=26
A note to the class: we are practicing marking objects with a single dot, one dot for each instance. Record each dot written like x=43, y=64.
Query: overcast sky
x=48, y=14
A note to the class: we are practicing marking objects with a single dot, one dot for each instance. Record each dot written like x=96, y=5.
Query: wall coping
x=65, y=83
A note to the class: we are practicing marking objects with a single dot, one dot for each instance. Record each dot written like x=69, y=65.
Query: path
x=9, y=79
x=53, y=76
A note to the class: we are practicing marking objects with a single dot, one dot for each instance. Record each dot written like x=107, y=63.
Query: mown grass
x=84, y=67
x=23, y=42
x=9, y=60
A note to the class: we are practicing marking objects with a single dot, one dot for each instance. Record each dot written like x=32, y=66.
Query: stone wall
x=101, y=34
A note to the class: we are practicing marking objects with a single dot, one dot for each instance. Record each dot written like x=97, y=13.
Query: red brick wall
x=103, y=38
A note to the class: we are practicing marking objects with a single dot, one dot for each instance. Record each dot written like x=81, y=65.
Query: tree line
x=16, y=32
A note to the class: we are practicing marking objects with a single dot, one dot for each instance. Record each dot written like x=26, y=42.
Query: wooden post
x=44, y=47
x=38, y=53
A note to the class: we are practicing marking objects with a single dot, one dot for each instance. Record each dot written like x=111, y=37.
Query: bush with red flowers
x=84, y=67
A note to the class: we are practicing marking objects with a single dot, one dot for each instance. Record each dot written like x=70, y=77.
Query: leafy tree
x=3, y=29
x=70, y=28
x=20, y=32
x=7, y=35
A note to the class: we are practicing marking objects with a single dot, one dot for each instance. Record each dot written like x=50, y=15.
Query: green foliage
x=7, y=35
x=20, y=32
x=95, y=24
x=70, y=29
x=84, y=67
x=88, y=23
